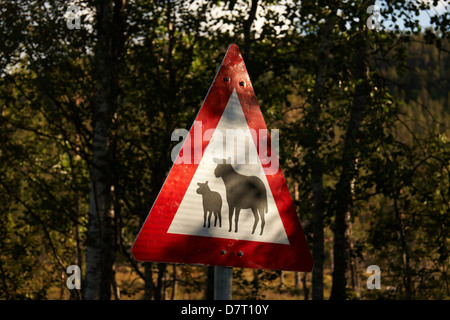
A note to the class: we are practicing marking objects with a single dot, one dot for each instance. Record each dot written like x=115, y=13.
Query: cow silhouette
x=242, y=192
x=212, y=203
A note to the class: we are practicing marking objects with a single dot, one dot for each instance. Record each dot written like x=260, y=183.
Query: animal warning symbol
x=212, y=203
x=243, y=192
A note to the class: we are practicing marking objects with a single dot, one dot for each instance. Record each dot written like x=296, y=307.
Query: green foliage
x=399, y=215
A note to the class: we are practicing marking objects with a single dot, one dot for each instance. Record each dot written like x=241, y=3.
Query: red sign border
x=153, y=243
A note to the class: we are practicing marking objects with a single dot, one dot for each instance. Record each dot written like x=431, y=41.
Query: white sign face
x=242, y=185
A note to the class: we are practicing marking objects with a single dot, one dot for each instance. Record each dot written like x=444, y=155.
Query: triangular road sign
x=221, y=206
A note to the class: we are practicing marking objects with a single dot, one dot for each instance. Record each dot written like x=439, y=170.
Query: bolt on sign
x=221, y=207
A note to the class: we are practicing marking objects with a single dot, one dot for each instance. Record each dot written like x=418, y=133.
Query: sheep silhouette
x=212, y=203
x=242, y=192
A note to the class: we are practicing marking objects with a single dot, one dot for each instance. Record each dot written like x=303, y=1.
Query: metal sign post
x=223, y=281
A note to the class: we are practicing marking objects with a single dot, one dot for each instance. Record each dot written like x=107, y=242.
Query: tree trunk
x=281, y=274
x=174, y=282
x=76, y=294
x=405, y=252
x=209, y=294
x=255, y=283
x=101, y=244
x=297, y=280
x=343, y=193
x=316, y=163
x=148, y=278
x=247, y=25
x=305, y=286
x=160, y=290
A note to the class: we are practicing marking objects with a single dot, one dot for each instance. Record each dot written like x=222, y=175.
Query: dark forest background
x=86, y=116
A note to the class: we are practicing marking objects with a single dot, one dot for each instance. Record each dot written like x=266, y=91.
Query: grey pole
x=223, y=279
